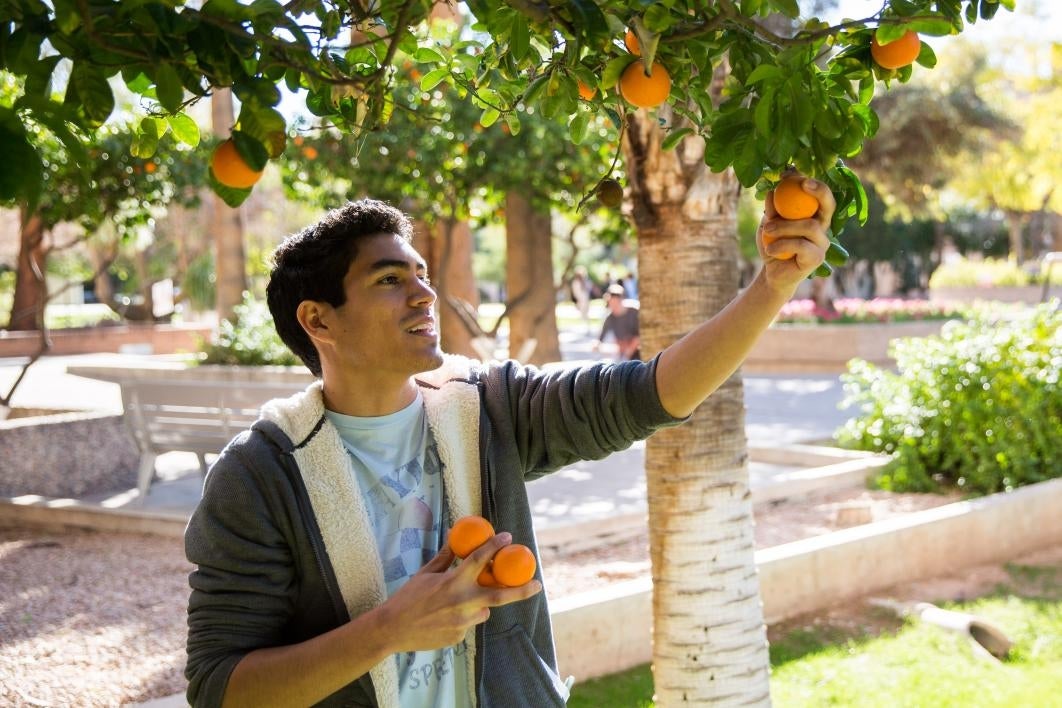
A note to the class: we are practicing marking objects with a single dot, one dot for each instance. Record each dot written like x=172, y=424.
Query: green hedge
x=978, y=406
x=251, y=340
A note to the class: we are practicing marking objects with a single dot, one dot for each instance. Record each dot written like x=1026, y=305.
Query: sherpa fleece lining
x=452, y=406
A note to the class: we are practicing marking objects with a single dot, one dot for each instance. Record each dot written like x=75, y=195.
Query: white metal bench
x=199, y=416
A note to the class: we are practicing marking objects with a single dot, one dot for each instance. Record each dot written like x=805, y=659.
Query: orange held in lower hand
x=468, y=534
x=514, y=565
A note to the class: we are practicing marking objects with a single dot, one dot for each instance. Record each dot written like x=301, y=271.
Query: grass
x=887, y=662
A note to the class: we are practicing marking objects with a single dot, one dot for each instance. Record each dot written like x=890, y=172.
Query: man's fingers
x=827, y=204
x=505, y=596
x=768, y=206
x=478, y=559
x=442, y=560
x=810, y=229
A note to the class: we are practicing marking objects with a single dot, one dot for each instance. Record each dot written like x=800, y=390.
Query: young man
x=322, y=574
x=622, y=323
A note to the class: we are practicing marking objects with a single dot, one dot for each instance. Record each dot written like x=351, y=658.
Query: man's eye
x=426, y=279
x=389, y=279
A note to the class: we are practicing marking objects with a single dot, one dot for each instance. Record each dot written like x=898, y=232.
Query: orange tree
x=745, y=102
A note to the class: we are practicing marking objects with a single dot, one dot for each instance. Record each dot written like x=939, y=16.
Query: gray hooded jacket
x=284, y=550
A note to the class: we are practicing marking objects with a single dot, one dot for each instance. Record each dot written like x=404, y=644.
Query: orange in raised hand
x=514, y=565
x=469, y=533
x=792, y=202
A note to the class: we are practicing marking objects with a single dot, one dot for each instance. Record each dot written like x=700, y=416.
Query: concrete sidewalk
x=781, y=410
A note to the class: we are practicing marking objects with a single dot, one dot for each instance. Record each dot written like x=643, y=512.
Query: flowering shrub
x=978, y=407
x=859, y=311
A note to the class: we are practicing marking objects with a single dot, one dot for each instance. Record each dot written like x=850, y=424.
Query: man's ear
x=313, y=317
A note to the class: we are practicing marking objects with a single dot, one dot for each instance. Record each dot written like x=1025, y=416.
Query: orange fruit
x=645, y=91
x=630, y=40
x=586, y=92
x=310, y=152
x=230, y=169
x=514, y=565
x=792, y=202
x=486, y=579
x=469, y=533
x=897, y=53
x=150, y=167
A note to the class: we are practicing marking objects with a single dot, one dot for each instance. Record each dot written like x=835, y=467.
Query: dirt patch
x=90, y=619
x=98, y=619
x=776, y=523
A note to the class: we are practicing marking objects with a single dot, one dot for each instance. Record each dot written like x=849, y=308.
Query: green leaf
x=577, y=126
x=266, y=125
x=93, y=93
x=513, y=121
x=789, y=8
x=519, y=38
x=489, y=117
x=230, y=195
x=764, y=114
x=836, y=255
x=674, y=138
x=823, y=271
x=889, y=33
x=427, y=55
x=433, y=78
x=253, y=152
x=614, y=69
x=168, y=87
x=763, y=72
x=146, y=139
x=658, y=18
x=534, y=90
x=926, y=56
x=39, y=81
x=139, y=83
x=590, y=21
x=184, y=129
x=20, y=180
x=67, y=17
x=933, y=26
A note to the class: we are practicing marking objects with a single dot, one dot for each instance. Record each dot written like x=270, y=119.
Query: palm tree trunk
x=529, y=276
x=709, y=642
x=226, y=224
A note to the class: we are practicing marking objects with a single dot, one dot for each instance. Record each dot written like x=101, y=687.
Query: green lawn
x=904, y=663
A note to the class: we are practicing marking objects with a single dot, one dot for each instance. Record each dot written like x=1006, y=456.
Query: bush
x=252, y=340
x=978, y=406
x=990, y=273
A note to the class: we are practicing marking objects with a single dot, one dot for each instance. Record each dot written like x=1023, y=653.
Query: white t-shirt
x=397, y=469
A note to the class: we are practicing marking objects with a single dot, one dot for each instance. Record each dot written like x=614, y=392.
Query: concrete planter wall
x=66, y=455
x=816, y=573
x=154, y=339
x=1029, y=294
x=826, y=348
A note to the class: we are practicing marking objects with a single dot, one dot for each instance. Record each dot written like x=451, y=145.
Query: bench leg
x=147, y=473
x=202, y=463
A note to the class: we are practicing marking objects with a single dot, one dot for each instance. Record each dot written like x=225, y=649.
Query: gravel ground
x=98, y=619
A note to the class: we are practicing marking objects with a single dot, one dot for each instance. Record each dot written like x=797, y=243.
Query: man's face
x=386, y=326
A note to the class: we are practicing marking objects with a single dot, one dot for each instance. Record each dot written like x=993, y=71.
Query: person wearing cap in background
x=622, y=323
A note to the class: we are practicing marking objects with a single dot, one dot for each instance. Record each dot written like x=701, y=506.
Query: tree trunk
x=709, y=642
x=31, y=287
x=454, y=278
x=1015, y=227
x=529, y=277
x=226, y=224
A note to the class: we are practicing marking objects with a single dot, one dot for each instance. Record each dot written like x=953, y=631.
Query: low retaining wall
x=813, y=574
x=65, y=455
x=144, y=338
x=826, y=348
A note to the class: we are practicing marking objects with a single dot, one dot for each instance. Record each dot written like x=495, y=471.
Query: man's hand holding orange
x=792, y=249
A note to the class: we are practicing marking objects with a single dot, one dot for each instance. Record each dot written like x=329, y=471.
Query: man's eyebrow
x=385, y=263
